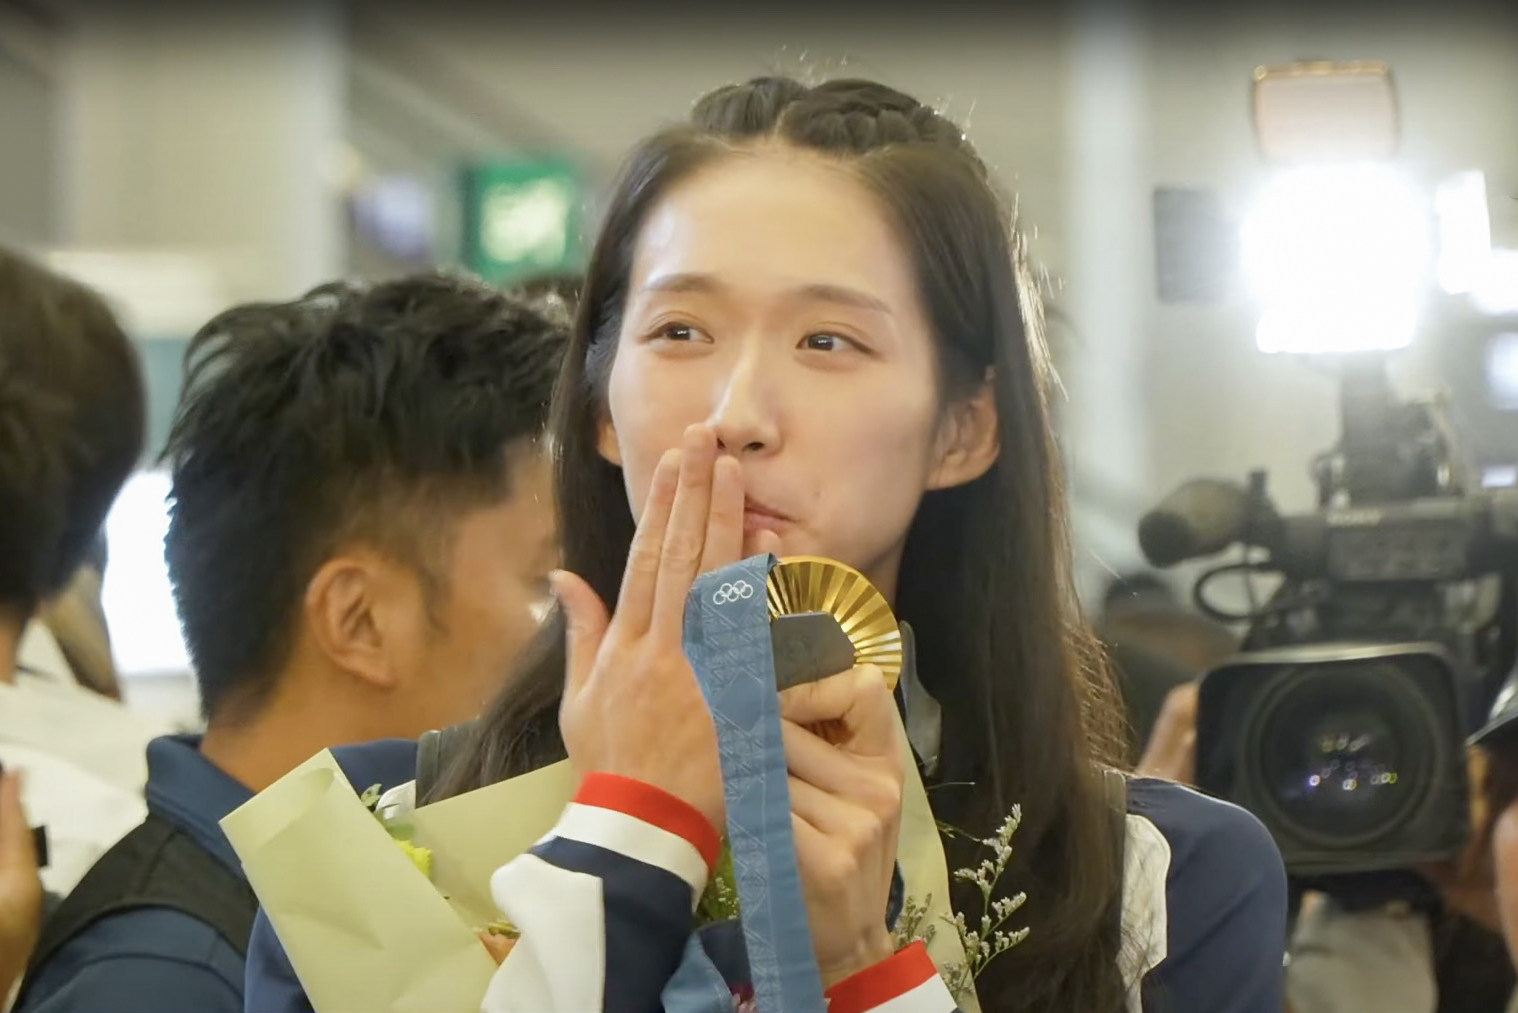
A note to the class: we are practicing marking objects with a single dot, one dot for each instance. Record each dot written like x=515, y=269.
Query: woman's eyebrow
x=842, y=295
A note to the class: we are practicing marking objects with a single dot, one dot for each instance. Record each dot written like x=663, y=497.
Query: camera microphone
x=1202, y=517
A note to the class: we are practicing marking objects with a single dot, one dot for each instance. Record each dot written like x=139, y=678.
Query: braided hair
x=1029, y=714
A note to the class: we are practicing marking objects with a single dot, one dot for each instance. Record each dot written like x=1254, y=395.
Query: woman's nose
x=744, y=417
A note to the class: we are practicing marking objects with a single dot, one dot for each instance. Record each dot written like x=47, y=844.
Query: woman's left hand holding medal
x=846, y=792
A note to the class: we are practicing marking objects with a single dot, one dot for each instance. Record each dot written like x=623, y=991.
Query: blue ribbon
x=727, y=641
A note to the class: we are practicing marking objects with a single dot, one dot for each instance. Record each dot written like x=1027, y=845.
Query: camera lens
x=1344, y=752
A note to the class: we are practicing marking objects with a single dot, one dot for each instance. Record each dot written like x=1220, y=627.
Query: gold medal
x=811, y=585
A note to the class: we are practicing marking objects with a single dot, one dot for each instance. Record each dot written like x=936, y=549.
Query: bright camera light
x=136, y=597
x=1496, y=292
x=1465, y=232
x=1338, y=258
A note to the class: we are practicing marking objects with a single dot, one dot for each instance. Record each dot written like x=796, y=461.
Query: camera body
x=1342, y=724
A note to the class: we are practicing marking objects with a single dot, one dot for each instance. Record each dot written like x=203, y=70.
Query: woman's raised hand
x=631, y=704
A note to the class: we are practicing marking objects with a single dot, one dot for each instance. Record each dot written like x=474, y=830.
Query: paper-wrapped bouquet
x=366, y=928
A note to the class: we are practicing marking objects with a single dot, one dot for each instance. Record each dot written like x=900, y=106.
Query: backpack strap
x=154, y=865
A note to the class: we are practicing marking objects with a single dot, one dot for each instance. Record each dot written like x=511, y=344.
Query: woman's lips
x=758, y=517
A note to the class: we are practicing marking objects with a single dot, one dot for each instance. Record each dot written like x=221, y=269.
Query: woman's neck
x=885, y=573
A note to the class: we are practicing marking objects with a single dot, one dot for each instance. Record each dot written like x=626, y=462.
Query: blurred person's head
x=1140, y=589
x=1156, y=645
x=1145, y=679
x=72, y=417
x=362, y=519
x=828, y=277
x=1195, y=642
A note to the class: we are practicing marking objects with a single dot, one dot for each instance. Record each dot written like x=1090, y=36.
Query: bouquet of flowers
x=394, y=811
x=363, y=926
x=394, y=914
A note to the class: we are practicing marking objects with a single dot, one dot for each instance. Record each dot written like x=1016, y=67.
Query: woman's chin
x=761, y=541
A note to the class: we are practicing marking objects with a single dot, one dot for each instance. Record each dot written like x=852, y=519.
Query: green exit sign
x=522, y=218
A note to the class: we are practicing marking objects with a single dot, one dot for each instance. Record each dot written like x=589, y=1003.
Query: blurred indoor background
x=183, y=157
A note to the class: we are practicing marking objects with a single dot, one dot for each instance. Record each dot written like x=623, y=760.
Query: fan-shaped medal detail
x=800, y=584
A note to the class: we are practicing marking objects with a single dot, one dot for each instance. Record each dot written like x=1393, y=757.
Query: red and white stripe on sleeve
x=905, y=983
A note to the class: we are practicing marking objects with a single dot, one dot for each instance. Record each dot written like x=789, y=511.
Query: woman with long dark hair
x=823, y=283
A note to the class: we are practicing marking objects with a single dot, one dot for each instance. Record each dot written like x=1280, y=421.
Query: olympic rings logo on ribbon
x=737, y=591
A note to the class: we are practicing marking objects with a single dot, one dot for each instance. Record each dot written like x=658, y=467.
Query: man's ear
x=358, y=610
x=969, y=439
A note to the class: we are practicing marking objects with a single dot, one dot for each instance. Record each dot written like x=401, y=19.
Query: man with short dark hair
x=72, y=412
x=361, y=533
x=72, y=417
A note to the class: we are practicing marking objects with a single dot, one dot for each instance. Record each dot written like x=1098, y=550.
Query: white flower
x=990, y=942
x=983, y=946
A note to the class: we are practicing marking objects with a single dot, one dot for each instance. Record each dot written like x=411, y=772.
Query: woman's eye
x=824, y=343
x=677, y=332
